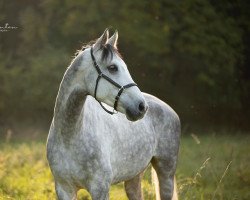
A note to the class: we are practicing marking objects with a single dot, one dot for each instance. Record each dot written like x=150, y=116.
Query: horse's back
x=158, y=108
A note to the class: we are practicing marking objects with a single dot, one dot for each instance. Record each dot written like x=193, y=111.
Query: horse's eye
x=112, y=68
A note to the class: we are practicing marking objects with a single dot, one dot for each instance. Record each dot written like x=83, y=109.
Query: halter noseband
x=101, y=75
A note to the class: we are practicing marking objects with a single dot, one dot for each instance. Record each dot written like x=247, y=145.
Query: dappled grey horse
x=89, y=147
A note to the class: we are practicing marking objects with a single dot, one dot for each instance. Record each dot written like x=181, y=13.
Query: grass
x=211, y=166
x=215, y=168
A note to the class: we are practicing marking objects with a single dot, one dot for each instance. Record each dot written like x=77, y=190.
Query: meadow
x=211, y=166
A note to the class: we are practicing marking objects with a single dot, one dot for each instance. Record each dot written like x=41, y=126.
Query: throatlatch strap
x=108, y=111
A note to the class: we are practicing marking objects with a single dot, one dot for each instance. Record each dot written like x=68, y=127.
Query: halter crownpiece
x=101, y=75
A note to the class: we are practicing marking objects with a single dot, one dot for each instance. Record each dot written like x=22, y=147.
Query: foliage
x=192, y=54
x=209, y=168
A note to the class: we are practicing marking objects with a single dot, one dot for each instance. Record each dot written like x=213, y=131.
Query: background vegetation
x=193, y=54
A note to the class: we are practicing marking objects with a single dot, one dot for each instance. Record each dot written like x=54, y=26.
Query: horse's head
x=108, y=79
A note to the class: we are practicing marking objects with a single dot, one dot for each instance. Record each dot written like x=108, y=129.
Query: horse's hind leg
x=133, y=188
x=165, y=173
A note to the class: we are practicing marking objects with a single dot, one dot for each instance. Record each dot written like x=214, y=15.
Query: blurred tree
x=193, y=54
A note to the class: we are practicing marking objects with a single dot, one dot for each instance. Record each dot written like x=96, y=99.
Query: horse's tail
x=175, y=194
x=157, y=188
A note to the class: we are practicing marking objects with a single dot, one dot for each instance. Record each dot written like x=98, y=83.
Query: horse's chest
x=64, y=165
x=72, y=163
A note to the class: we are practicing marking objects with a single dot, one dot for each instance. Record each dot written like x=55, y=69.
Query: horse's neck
x=69, y=102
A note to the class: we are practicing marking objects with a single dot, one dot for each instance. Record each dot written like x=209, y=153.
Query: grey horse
x=90, y=148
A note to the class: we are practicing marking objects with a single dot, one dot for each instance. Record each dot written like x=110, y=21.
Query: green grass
x=212, y=166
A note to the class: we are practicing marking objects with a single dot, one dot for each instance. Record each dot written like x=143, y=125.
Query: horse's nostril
x=141, y=107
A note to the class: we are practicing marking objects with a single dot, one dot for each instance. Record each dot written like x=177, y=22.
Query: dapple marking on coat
x=91, y=149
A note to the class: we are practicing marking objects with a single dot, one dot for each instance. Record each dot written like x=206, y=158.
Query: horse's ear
x=102, y=40
x=113, y=40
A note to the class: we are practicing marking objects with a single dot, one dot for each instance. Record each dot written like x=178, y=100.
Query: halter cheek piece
x=101, y=75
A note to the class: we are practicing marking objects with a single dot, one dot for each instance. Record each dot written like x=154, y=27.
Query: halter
x=101, y=75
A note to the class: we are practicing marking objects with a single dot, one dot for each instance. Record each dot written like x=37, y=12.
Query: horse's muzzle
x=137, y=112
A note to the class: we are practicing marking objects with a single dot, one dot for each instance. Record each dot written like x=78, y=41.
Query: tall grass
x=24, y=173
x=210, y=167
x=215, y=167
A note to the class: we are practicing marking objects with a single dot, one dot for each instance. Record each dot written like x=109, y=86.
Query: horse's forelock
x=108, y=51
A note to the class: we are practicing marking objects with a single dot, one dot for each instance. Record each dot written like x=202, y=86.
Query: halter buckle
x=101, y=74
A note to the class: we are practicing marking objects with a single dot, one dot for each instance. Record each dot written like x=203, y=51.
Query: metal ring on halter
x=101, y=75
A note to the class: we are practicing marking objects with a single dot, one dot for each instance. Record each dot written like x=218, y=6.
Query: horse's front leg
x=65, y=191
x=133, y=188
x=99, y=191
x=99, y=185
